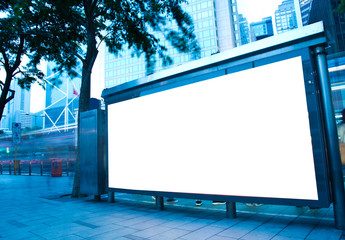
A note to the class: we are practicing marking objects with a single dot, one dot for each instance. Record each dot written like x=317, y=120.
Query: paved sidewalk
x=31, y=207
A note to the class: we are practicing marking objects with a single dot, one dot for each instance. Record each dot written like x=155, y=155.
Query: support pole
x=230, y=210
x=111, y=197
x=15, y=161
x=333, y=153
x=97, y=197
x=159, y=203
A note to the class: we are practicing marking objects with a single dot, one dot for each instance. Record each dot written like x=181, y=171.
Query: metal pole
x=41, y=167
x=111, y=197
x=230, y=210
x=160, y=203
x=15, y=161
x=334, y=160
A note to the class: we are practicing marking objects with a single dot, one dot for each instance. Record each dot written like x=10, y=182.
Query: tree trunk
x=84, y=99
x=6, y=88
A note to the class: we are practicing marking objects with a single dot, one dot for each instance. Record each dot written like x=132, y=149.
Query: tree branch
x=10, y=97
x=19, y=53
x=6, y=64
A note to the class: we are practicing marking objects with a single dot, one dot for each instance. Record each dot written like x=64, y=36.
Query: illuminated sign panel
x=243, y=134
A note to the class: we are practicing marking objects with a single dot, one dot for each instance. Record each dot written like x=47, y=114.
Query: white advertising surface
x=242, y=134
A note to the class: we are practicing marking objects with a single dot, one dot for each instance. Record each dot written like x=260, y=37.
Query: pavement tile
x=36, y=211
x=220, y=238
x=97, y=231
x=262, y=233
x=226, y=222
x=202, y=233
x=170, y=234
x=17, y=235
x=199, y=223
x=325, y=230
x=237, y=231
x=278, y=237
x=297, y=230
x=133, y=237
x=115, y=234
x=150, y=232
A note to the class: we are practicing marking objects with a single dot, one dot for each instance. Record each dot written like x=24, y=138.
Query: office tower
x=323, y=10
x=305, y=6
x=262, y=29
x=216, y=28
x=285, y=16
x=244, y=30
x=18, y=109
x=62, y=99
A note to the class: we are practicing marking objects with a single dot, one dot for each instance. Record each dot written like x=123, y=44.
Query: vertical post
x=97, y=198
x=111, y=197
x=10, y=170
x=1, y=167
x=41, y=167
x=15, y=161
x=336, y=175
x=230, y=210
x=30, y=168
x=67, y=163
x=159, y=203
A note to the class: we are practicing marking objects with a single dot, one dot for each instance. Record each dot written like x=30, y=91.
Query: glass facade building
x=262, y=29
x=217, y=29
x=285, y=17
x=244, y=30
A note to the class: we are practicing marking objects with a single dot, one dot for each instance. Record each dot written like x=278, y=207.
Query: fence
x=35, y=167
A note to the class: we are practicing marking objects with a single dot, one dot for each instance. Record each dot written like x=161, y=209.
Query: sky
x=255, y=10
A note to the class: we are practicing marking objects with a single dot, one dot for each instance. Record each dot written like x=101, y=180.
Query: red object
x=56, y=168
x=75, y=92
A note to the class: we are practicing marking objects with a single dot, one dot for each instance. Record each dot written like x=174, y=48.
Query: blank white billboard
x=242, y=134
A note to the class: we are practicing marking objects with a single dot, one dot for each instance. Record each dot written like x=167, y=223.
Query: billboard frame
x=303, y=42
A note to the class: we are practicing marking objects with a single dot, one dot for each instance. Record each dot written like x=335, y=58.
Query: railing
x=35, y=167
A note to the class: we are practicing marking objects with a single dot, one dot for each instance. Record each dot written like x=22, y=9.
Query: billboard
x=245, y=134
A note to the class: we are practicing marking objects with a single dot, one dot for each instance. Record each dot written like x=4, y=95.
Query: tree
x=16, y=28
x=121, y=23
x=28, y=29
x=341, y=7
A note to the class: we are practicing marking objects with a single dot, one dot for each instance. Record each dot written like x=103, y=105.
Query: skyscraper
x=323, y=10
x=305, y=6
x=17, y=109
x=285, y=16
x=244, y=30
x=61, y=99
x=216, y=28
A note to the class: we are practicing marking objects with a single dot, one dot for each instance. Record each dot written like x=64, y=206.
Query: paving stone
x=35, y=211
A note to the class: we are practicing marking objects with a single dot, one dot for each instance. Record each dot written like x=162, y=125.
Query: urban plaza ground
x=39, y=207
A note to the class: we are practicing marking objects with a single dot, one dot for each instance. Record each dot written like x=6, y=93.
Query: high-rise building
x=305, y=6
x=285, y=16
x=323, y=10
x=61, y=101
x=18, y=109
x=262, y=29
x=244, y=30
x=217, y=29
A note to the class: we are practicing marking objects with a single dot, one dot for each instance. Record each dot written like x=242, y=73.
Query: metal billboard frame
x=309, y=43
